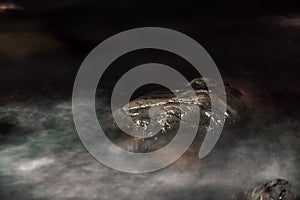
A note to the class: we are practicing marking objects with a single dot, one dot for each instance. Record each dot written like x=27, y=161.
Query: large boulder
x=167, y=114
x=138, y=109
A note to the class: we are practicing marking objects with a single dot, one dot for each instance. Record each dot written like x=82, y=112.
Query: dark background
x=51, y=39
x=43, y=43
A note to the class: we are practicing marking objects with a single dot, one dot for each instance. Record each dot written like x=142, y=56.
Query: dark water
x=42, y=45
x=43, y=158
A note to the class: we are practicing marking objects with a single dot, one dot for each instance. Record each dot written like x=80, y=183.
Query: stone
x=277, y=189
x=166, y=103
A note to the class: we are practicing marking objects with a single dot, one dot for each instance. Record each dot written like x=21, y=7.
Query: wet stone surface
x=167, y=114
x=276, y=189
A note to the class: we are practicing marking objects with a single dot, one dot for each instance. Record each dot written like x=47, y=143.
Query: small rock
x=277, y=189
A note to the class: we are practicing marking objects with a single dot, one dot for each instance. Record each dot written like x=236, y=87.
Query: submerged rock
x=276, y=189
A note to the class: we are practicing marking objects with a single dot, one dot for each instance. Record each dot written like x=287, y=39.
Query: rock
x=276, y=189
x=167, y=115
x=138, y=109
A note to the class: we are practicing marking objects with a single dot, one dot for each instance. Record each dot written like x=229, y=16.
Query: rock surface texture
x=164, y=104
x=276, y=189
x=167, y=114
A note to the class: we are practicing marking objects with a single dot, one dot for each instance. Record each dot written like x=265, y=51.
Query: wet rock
x=165, y=104
x=276, y=189
x=166, y=116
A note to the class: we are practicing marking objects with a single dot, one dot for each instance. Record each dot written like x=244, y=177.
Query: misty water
x=42, y=45
x=42, y=157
